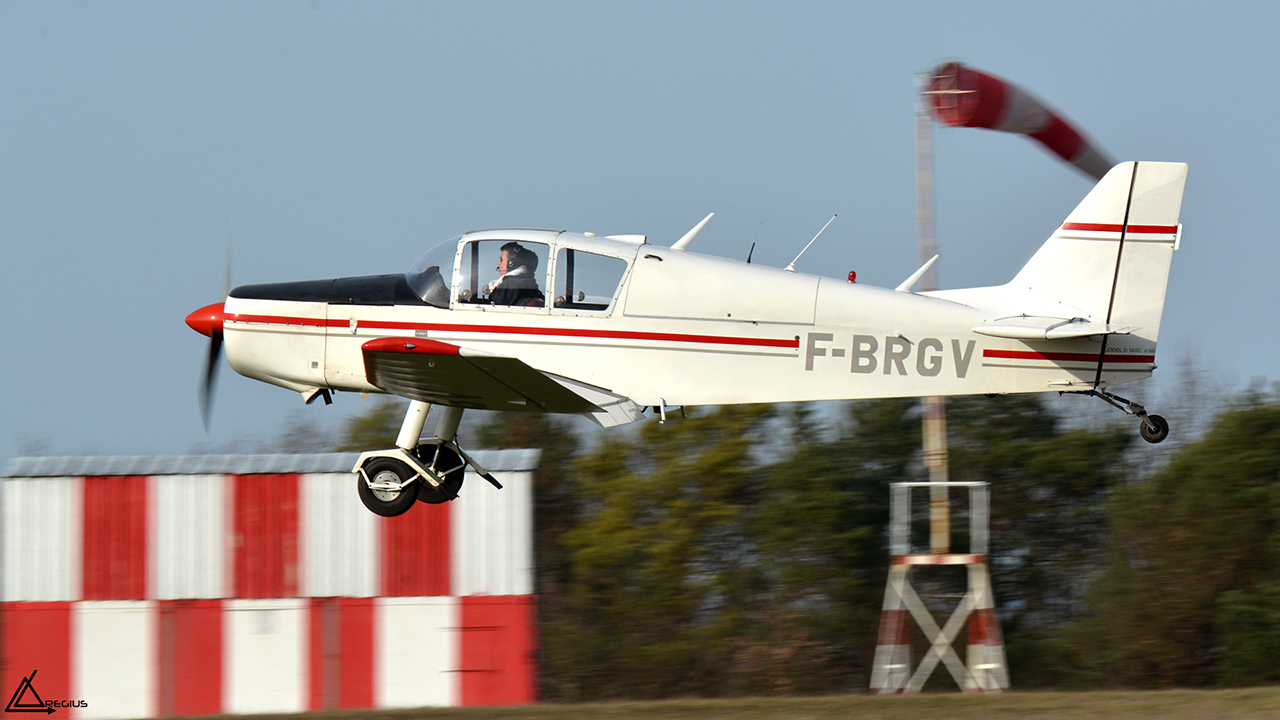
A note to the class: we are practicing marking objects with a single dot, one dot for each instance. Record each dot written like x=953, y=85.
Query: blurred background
x=740, y=550
x=323, y=139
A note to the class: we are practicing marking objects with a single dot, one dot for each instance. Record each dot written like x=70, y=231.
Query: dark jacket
x=518, y=290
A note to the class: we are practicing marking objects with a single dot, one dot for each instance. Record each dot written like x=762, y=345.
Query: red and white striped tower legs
x=892, y=665
x=988, y=670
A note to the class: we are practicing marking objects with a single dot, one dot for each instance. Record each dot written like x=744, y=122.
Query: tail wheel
x=384, y=501
x=1156, y=434
x=448, y=465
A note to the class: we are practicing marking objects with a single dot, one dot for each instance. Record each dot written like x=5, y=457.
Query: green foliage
x=1248, y=625
x=821, y=526
x=660, y=558
x=743, y=550
x=377, y=427
x=304, y=433
x=1194, y=549
x=1049, y=488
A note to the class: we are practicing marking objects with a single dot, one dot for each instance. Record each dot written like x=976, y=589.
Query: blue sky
x=330, y=138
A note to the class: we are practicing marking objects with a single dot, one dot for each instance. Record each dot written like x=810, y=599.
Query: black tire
x=440, y=458
x=383, y=502
x=1154, y=436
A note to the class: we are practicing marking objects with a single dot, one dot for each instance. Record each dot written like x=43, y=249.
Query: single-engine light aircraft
x=562, y=322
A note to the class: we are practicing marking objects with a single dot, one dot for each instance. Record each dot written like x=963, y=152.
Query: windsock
x=963, y=97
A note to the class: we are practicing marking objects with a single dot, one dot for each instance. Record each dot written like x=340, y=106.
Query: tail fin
x=1110, y=259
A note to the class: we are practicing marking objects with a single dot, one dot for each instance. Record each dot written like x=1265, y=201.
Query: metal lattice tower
x=984, y=669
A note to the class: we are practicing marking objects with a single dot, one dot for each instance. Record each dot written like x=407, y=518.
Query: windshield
x=426, y=277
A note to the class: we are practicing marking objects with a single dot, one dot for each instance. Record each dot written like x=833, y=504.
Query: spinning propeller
x=208, y=322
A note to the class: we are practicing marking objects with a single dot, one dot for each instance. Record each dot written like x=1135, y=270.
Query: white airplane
x=562, y=322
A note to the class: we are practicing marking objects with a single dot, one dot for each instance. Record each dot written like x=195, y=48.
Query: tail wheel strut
x=1153, y=428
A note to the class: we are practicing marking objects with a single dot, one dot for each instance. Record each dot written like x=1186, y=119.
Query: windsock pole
x=934, y=408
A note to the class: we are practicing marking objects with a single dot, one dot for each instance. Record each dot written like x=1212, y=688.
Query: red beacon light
x=853, y=276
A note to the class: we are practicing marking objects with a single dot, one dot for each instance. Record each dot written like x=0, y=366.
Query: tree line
x=744, y=549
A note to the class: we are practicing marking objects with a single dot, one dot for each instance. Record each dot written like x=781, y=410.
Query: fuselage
x=661, y=326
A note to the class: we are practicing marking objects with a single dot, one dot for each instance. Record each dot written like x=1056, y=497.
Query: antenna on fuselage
x=753, y=242
x=792, y=266
x=679, y=244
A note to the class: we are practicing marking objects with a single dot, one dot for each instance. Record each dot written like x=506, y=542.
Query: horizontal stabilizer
x=1029, y=327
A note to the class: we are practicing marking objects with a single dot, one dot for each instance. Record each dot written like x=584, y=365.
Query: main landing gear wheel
x=1154, y=429
x=448, y=465
x=385, y=501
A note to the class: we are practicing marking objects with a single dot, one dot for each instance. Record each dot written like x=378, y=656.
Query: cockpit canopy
x=425, y=277
x=497, y=270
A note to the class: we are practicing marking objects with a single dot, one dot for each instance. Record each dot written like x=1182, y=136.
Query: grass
x=1241, y=704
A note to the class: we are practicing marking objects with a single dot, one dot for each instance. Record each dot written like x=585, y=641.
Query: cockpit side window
x=503, y=273
x=586, y=281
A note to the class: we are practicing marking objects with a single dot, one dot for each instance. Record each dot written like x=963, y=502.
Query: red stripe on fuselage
x=1065, y=356
x=283, y=320
x=512, y=330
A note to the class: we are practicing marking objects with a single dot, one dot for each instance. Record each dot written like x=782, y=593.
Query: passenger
x=518, y=283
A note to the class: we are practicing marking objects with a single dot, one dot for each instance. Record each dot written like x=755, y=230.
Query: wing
x=436, y=372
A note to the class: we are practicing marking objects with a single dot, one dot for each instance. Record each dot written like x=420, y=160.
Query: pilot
x=518, y=284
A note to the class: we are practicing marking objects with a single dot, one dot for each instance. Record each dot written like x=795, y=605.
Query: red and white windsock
x=963, y=97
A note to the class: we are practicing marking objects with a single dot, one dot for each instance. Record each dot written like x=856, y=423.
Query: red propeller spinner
x=207, y=320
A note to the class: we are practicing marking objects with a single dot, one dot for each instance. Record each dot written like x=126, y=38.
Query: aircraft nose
x=207, y=320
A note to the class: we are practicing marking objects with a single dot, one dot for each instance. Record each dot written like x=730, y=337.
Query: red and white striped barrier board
x=147, y=587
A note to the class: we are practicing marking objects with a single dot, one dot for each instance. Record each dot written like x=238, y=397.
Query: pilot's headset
x=519, y=255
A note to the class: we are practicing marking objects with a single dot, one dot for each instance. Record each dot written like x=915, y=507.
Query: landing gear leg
x=447, y=428
x=438, y=455
x=430, y=470
x=447, y=440
x=411, y=428
x=1153, y=429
